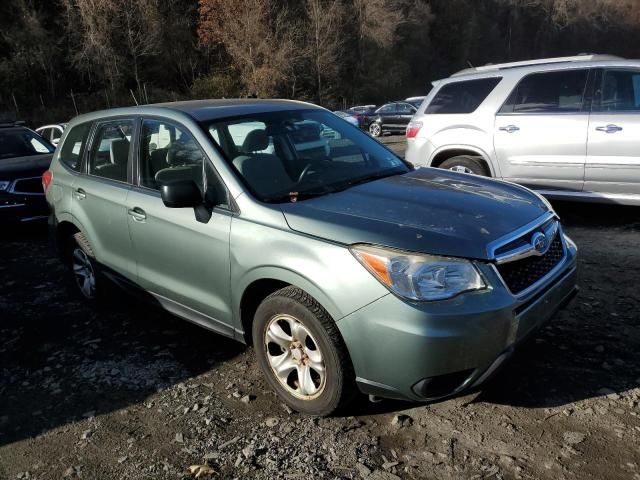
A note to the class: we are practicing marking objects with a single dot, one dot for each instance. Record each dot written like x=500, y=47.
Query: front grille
x=28, y=185
x=521, y=274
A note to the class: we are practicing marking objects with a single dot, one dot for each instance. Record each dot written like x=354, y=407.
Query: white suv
x=568, y=127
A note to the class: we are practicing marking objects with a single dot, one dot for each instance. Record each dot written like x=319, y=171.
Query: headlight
x=4, y=185
x=419, y=277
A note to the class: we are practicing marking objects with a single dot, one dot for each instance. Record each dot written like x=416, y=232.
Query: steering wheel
x=310, y=163
x=304, y=172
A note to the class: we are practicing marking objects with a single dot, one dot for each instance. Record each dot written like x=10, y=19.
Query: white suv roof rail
x=541, y=61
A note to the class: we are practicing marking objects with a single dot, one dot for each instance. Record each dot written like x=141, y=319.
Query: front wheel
x=466, y=164
x=301, y=353
x=375, y=129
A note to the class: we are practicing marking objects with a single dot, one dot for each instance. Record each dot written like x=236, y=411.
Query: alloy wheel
x=375, y=129
x=83, y=273
x=461, y=169
x=294, y=357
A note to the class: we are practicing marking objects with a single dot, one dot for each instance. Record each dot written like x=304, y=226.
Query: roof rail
x=583, y=57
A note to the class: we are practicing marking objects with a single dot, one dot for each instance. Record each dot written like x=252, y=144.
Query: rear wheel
x=85, y=278
x=466, y=164
x=301, y=353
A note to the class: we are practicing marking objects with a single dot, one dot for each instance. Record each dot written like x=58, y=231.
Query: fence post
x=15, y=103
x=74, y=103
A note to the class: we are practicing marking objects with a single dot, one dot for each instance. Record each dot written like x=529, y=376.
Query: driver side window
x=168, y=153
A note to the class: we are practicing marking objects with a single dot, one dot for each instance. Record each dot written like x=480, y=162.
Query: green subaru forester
x=281, y=225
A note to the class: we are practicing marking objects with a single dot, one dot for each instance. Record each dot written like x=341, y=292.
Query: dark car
x=389, y=118
x=24, y=157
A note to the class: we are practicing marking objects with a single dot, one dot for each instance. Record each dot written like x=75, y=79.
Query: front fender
x=290, y=277
x=325, y=270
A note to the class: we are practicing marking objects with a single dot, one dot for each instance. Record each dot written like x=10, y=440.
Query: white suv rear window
x=462, y=97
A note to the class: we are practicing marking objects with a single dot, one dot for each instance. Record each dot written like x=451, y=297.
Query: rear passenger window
x=462, y=97
x=552, y=92
x=73, y=146
x=110, y=152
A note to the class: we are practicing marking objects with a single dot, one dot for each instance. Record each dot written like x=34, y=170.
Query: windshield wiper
x=293, y=197
x=371, y=177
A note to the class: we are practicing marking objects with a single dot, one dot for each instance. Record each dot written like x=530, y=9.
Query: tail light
x=46, y=179
x=412, y=129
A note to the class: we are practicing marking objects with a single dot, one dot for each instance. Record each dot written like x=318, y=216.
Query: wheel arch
x=450, y=151
x=263, y=282
x=65, y=229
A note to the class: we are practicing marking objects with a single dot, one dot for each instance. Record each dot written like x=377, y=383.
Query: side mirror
x=181, y=194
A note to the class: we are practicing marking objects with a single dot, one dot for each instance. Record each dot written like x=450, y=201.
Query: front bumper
x=424, y=351
x=22, y=207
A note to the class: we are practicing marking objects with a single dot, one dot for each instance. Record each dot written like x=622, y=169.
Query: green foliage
x=217, y=85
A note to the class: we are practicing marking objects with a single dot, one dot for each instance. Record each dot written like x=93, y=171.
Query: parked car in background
x=415, y=101
x=361, y=112
x=318, y=261
x=52, y=133
x=568, y=127
x=391, y=117
x=24, y=157
x=349, y=117
x=362, y=108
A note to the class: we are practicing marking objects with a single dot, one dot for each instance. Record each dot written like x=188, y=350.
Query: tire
x=84, y=277
x=292, y=332
x=375, y=129
x=466, y=164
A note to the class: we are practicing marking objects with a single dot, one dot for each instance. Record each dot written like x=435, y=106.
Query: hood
x=428, y=210
x=21, y=167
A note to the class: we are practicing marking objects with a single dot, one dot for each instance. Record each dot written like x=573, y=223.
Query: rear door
x=99, y=196
x=613, y=153
x=540, y=133
x=387, y=114
x=183, y=261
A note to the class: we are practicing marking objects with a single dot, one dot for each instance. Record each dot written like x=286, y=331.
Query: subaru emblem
x=539, y=242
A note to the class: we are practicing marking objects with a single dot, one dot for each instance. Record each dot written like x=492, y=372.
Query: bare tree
x=114, y=36
x=256, y=35
x=325, y=41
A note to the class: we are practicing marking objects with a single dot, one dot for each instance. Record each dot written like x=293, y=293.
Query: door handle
x=509, y=129
x=611, y=128
x=80, y=194
x=138, y=214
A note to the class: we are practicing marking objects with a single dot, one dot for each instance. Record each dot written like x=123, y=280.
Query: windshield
x=290, y=156
x=22, y=143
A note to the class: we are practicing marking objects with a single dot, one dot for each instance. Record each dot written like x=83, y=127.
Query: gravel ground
x=130, y=392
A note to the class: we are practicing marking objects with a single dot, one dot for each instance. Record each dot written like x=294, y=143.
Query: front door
x=540, y=133
x=613, y=153
x=99, y=196
x=181, y=260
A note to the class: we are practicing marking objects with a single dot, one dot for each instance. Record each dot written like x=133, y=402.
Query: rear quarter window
x=73, y=146
x=462, y=97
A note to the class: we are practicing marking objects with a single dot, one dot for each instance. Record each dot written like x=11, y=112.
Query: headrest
x=183, y=153
x=256, y=141
x=119, y=151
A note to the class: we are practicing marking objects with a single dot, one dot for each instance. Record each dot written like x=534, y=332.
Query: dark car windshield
x=293, y=155
x=22, y=143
